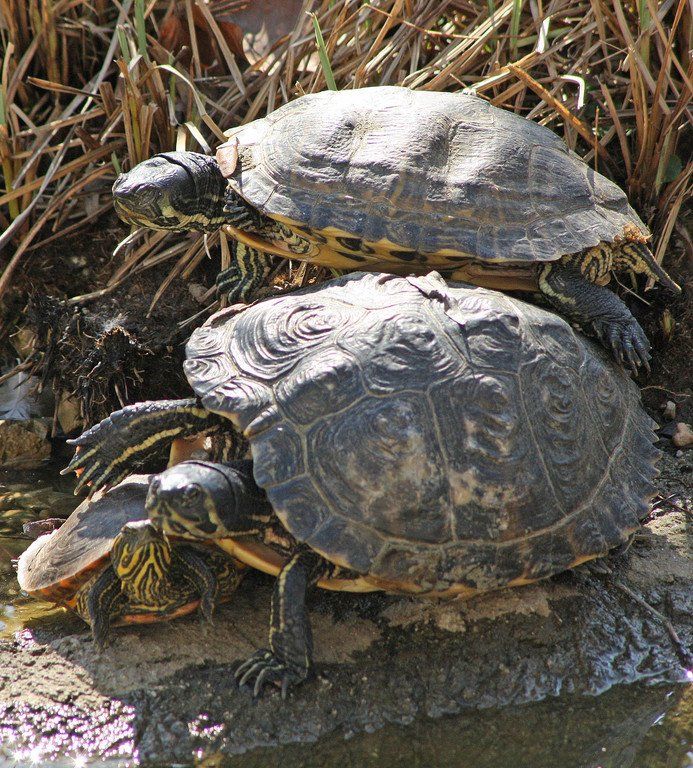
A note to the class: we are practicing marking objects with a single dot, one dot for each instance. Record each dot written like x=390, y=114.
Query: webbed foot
x=594, y=306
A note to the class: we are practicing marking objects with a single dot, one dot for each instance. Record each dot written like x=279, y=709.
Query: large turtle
x=408, y=181
x=109, y=564
x=410, y=436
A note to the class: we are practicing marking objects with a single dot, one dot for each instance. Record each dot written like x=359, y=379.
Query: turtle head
x=141, y=558
x=202, y=500
x=177, y=191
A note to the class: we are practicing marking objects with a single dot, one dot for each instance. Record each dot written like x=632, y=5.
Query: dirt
x=167, y=692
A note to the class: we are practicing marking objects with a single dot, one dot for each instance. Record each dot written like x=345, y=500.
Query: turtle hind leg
x=636, y=257
x=248, y=272
x=289, y=660
x=594, y=306
x=102, y=602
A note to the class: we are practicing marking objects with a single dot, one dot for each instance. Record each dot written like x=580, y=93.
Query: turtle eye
x=192, y=493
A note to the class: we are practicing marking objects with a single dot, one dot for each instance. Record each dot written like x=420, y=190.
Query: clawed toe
x=263, y=667
x=627, y=342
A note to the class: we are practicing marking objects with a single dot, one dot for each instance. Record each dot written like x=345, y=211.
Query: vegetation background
x=88, y=89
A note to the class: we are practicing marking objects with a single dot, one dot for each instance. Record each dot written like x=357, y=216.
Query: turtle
x=109, y=564
x=408, y=434
x=395, y=180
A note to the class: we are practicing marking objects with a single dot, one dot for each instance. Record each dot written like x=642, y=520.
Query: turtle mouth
x=143, y=206
x=164, y=518
x=127, y=215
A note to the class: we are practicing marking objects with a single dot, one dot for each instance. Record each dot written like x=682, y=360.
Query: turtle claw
x=264, y=667
x=627, y=342
x=97, y=454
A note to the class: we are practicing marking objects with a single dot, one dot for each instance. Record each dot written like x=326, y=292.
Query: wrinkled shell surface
x=431, y=434
x=426, y=171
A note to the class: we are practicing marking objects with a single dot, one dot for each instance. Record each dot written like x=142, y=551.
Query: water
x=26, y=496
x=634, y=726
x=627, y=727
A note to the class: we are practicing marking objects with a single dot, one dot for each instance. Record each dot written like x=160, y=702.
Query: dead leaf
x=262, y=22
x=174, y=35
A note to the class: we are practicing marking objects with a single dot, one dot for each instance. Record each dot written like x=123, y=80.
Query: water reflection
x=628, y=727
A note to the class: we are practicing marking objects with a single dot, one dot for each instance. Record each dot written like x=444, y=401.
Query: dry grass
x=88, y=89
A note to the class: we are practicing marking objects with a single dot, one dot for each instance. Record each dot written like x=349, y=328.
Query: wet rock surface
x=24, y=444
x=166, y=693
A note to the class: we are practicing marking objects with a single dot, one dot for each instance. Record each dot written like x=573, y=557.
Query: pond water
x=635, y=726
x=24, y=497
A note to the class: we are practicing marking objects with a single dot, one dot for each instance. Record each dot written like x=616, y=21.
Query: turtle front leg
x=103, y=602
x=597, y=307
x=129, y=438
x=248, y=273
x=196, y=570
x=289, y=660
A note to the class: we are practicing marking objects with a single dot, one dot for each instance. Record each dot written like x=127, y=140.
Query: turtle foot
x=97, y=451
x=626, y=340
x=264, y=667
x=129, y=438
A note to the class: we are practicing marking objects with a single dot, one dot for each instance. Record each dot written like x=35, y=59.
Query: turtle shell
x=56, y=565
x=435, y=437
x=426, y=172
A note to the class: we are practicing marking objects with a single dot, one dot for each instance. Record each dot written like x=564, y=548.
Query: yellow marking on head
x=142, y=559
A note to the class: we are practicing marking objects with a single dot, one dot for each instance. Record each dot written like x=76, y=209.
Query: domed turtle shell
x=438, y=438
x=57, y=564
x=427, y=172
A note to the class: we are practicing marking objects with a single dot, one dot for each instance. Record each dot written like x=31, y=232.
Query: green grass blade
x=515, y=27
x=123, y=43
x=322, y=52
x=141, y=29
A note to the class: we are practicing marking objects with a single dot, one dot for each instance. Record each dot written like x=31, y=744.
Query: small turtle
x=394, y=180
x=108, y=563
x=409, y=435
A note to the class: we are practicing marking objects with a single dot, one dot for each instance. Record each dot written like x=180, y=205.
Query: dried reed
x=88, y=89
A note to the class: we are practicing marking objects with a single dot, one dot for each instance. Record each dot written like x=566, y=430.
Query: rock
x=167, y=692
x=683, y=437
x=69, y=417
x=24, y=342
x=24, y=444
x=198, y=292
x=669, y=410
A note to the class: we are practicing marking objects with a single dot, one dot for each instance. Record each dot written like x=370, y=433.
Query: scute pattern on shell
x=426, y=171
x=61, y=560
x=432, y=434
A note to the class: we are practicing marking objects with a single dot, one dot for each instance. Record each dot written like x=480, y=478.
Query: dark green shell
x=431, y=434
x=425, y=171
